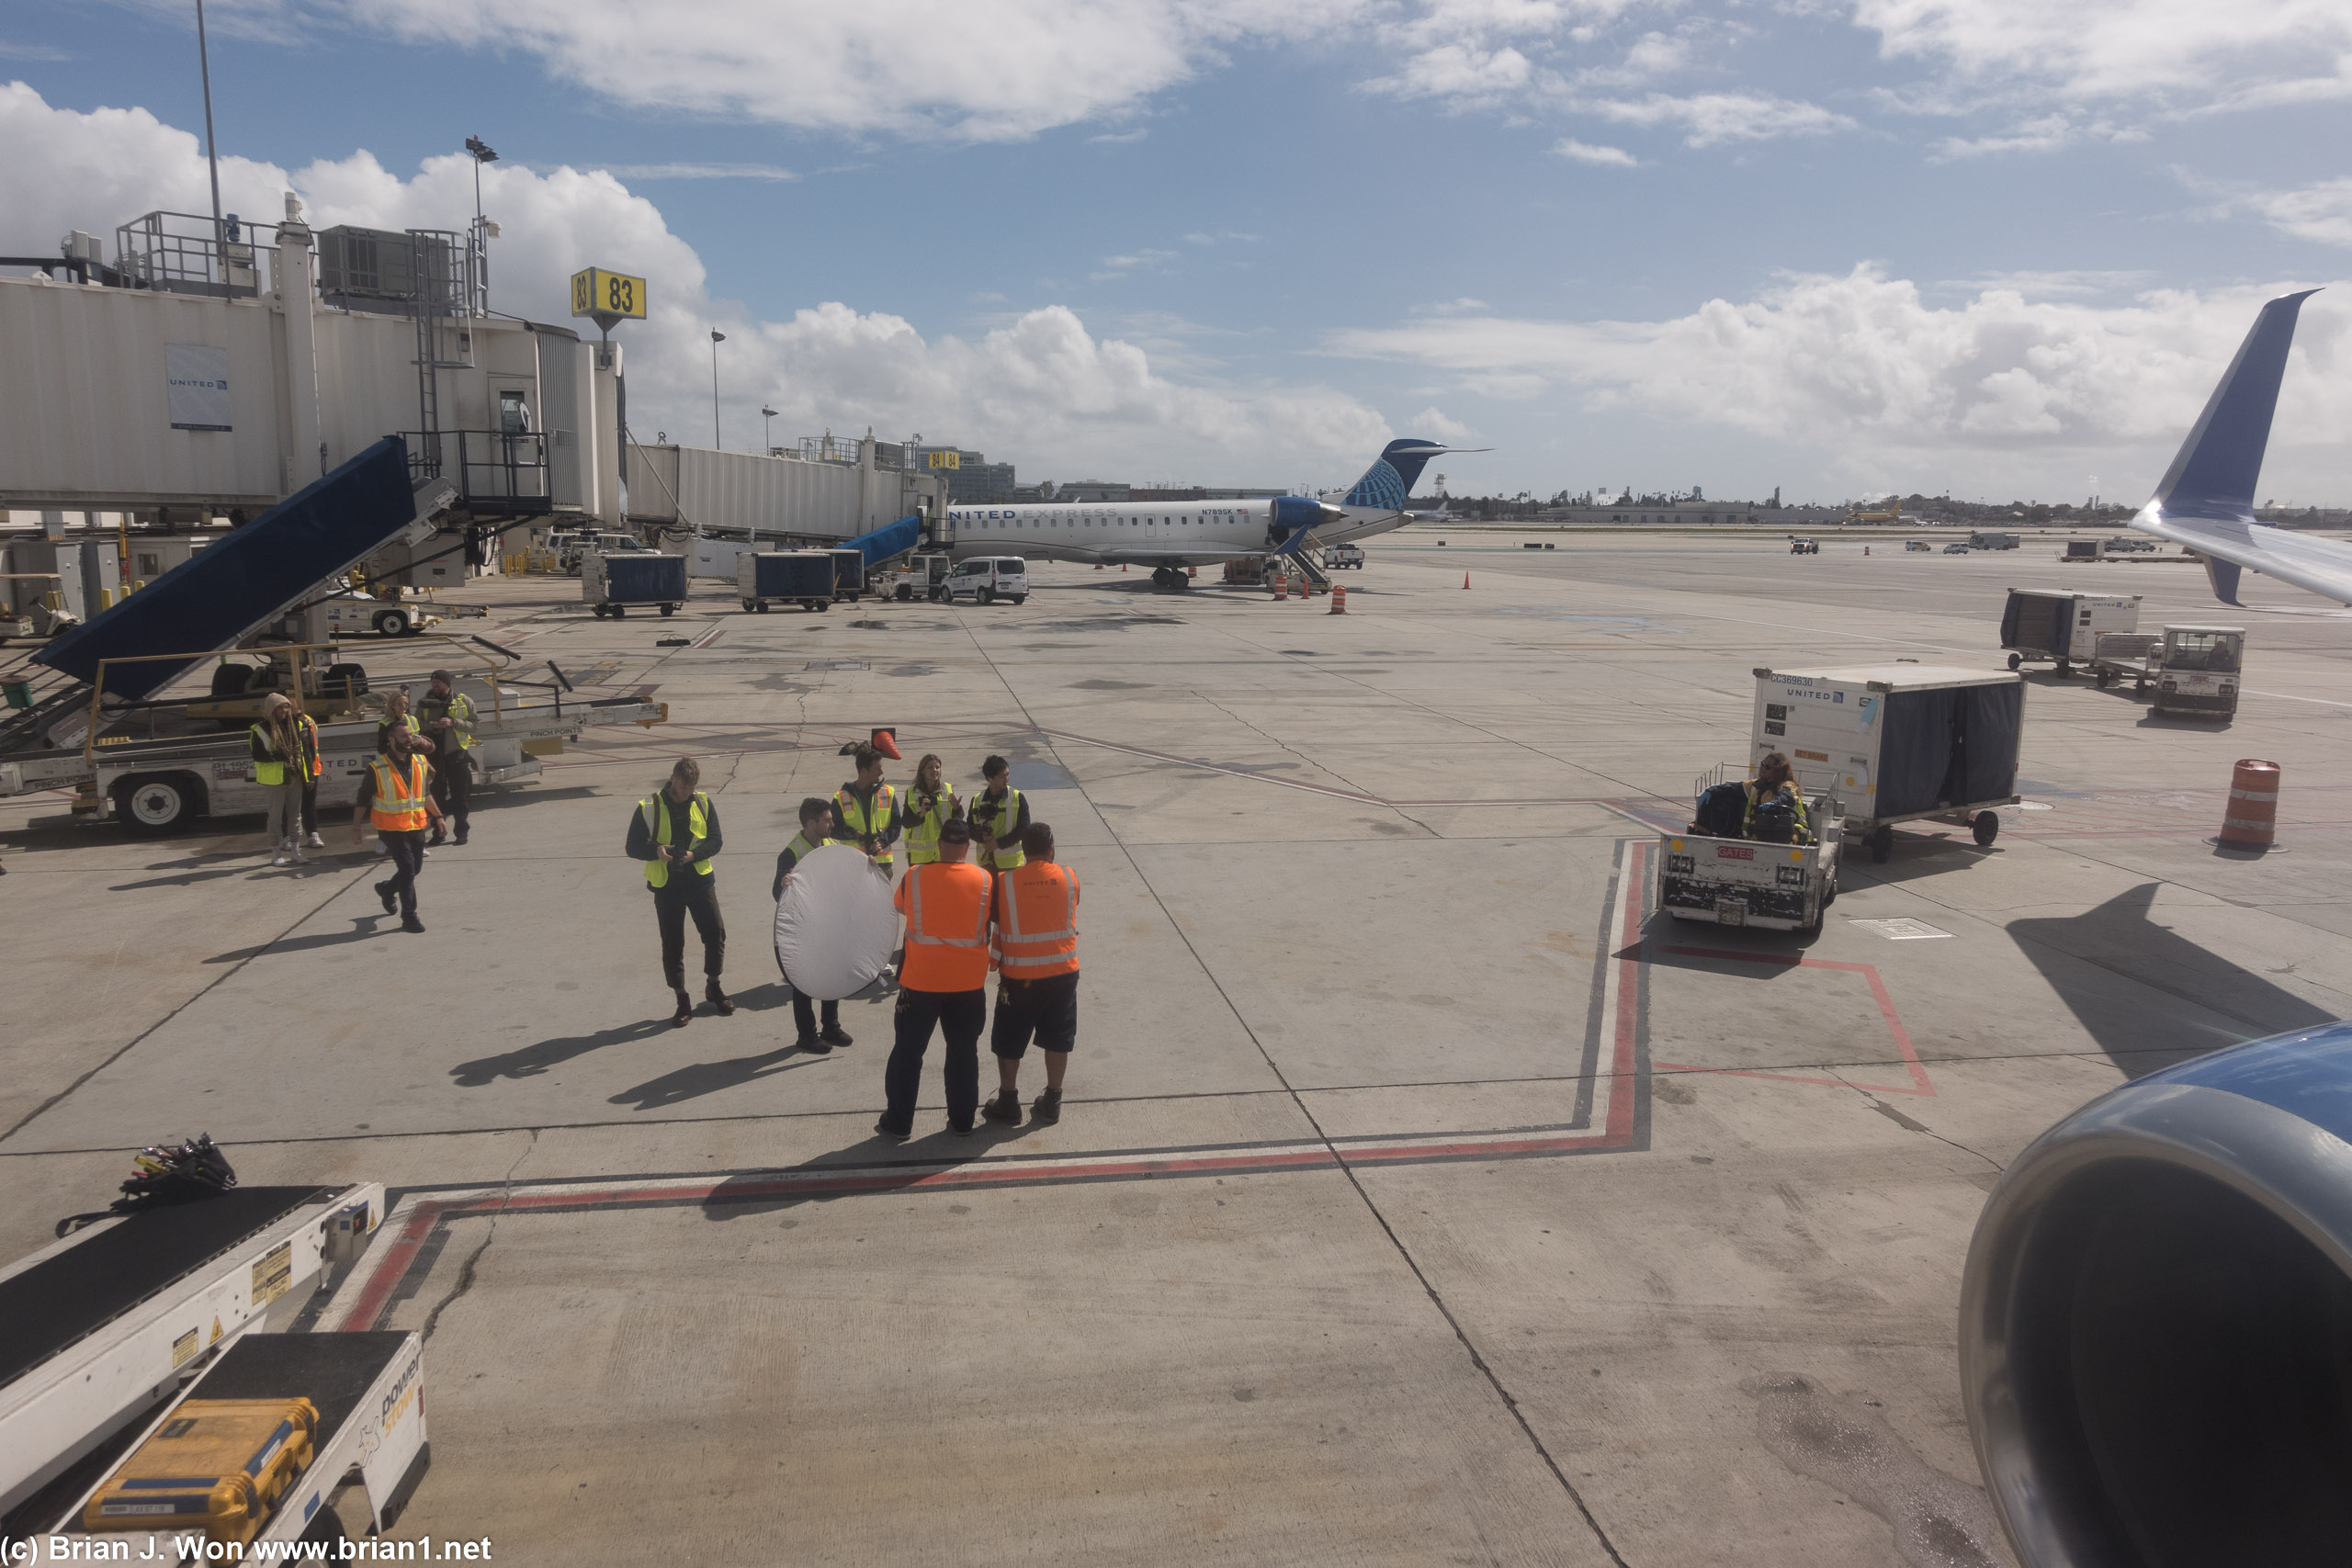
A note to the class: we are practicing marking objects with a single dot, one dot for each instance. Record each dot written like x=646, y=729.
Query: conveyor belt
x=48, y=1306
x=331, y=1370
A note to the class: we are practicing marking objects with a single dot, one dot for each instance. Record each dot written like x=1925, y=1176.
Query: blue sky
x=1985, y=245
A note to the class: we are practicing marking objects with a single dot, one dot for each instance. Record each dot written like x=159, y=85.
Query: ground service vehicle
x=2123, y=544
x=986, y=579
x=786, y=577
x=2195, y=670
x=1744, y=882
x=1805, y=546
x=647, y=579
x=1955, y=549
x=1920, y=544
x=1897, y=743
x=572, y=551
x=2050, y=624
x=348, y=612
x=920, y=577
x=1993, y=541
x=1338, y=555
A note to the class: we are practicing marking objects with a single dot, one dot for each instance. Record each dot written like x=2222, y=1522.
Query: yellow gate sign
x=608, y=296
x=946, y=459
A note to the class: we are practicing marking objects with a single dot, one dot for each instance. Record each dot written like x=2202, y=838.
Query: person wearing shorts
x=1034, y=947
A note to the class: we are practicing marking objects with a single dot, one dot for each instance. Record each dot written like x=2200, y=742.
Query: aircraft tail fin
x=1393, y=473
x=2215, y=471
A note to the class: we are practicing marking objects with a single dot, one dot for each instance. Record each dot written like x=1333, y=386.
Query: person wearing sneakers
x=816, y=830
x=929, y=805
x=449, y=716
x=396, y=714
x=1032, y=945
x=396, y=794
x=674, y=832
x=999, y=817
x=945, y=984
x=306, y=733
x=280, y=766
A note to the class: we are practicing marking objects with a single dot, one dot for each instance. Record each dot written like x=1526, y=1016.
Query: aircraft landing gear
x=1166, y=576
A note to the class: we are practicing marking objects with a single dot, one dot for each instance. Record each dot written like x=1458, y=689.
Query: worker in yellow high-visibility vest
x=674, y=832
x=999, y=816
x=866, y=811
x=929, y=805
x=396, y=796
x=280, y=768
x=448, y=716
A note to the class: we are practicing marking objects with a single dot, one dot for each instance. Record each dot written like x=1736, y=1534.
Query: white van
x=989, y=578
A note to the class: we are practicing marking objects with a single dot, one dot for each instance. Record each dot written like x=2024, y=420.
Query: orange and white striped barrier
x=1282, y=585
x=2251, y=820
x=1339, y=600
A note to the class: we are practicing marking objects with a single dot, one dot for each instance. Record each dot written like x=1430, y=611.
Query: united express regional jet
x=1169, y=536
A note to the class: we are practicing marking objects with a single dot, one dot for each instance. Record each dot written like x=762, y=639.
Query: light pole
x=479, y=151
x=212, y=143
x=767, y=430
x=716, y=339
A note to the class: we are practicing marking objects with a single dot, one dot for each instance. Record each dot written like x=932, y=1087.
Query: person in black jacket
x=816, y=832
x=675, y=833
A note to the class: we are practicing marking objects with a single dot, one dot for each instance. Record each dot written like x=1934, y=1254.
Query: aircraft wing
x=2321, y=566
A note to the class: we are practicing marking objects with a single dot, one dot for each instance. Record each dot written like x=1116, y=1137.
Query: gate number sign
x=596, y=292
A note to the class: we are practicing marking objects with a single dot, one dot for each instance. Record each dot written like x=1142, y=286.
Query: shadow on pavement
x=710, y=1078
x=873, y=1164
x=2083, y=956
x=532, y=1060
x=362, y=927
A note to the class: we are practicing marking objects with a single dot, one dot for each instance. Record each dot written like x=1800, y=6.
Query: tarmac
x=1422, y=1195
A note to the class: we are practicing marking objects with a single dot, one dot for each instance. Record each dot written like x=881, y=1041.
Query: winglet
x=2214, y=474
x=2223, y=576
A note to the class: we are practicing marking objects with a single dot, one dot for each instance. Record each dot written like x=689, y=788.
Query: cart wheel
x=1882, y=845
x=620, y=612
x=2139, y=688
x=155, y=804
x=597, y=611
x=2104, y=677
x=2066, y=671
x=2016, y=660
x=669, y=609
x=747, y=607
x=1986, y=827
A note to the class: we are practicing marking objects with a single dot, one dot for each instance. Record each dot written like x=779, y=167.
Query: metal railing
x=182, y=252
x=494, y=471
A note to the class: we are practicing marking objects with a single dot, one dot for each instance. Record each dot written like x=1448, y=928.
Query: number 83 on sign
x=608, y=296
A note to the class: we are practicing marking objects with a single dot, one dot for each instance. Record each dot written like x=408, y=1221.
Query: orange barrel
x=2253, y=815
x=1339, y=600
x=1281, y=586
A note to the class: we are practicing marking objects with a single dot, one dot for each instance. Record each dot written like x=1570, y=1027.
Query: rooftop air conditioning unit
x=81, y=247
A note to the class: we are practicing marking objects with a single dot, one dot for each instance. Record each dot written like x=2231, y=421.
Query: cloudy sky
x=1993, y=247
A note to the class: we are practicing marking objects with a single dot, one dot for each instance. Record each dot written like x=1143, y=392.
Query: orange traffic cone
x=887, y=742
x=1465, y=580
x=1339, y=600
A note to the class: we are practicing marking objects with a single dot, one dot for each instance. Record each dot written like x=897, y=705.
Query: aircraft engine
x=2155, y=1334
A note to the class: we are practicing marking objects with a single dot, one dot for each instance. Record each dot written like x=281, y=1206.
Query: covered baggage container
x=2049, y=625
x=1898, y=742
x=849, y=573
x=613, y=583
x=787, y=577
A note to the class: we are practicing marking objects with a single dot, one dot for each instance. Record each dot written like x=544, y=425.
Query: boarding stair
x=1300, y=549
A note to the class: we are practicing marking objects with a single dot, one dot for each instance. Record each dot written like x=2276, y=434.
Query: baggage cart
x=786, y=577
x=367, y=1392
x=2194, y=670
x=611, y=583
x=2055, y=627
x=1897, y=743
x=1744, y=882
x=849, y=574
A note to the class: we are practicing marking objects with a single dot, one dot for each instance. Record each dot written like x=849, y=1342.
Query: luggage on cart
x=218, y=1465
x=1722, y=811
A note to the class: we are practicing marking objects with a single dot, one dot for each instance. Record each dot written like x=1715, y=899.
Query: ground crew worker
x=928, y=807
x=674, y=832
x=449, y=716
x=816, y=830
x=866, y=811
x=945, y=983
x=306, y=732
x=999, y=817
x=279, y=768
x=1775, y=779
x=1034, y=946
x=396, y=794
x=396, y=713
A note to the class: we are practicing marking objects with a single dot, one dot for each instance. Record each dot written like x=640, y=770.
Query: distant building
x=973, y=481
x=1083, y=491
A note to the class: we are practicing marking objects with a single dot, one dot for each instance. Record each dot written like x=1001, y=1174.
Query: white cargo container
x=1897, y=743
x=2050, y=624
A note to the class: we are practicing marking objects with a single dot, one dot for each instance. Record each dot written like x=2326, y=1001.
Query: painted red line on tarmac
x=1920, y=1083
x=385, y=1275
x=708, y=637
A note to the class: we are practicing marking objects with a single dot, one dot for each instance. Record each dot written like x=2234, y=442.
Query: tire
x=988, y=595
x=2016, y=660
x=1986, y=826
x=669, y=609
x=905, y=592
x=749, y=606
x=2103, y=677
x=2066, y=671
x=152, y=805
x=1021, y=598
x=391, y=623
x=230, y=680
x=1882, y=846
x=620, y=612
x=599, y=611
x=824, y=605
x=338, y=674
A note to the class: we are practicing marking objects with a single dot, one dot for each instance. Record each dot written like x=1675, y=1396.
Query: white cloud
x=2322, y=212
x=37, y=52
x=980, y=70
x=1708, y=119
x=1433, y=424
x=1039, y=388
x=1577, y=152
x=1861, y=366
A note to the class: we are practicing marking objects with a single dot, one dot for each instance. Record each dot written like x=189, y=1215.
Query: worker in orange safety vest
x=396, y=796
x=943, y=983
x=1034, y=947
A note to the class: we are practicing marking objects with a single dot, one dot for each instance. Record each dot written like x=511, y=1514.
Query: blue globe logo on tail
x=1391, y=477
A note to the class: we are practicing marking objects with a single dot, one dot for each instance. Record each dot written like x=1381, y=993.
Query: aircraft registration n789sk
x=1169, y=536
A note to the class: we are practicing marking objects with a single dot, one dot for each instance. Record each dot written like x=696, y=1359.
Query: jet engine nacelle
x=1289, y=514
x=2155, y=1333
